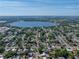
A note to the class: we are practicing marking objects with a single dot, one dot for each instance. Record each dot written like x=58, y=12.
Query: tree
x=2, y=49
x=77, y=52
x=61, y=53
x=64, y=53
x=9, y=54
x=57, y=53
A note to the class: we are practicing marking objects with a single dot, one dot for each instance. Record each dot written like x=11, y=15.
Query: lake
x=32, y=24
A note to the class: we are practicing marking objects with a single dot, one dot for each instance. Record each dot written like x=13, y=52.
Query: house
x=30, y=58
x=61, y=58
x=30, y=55
x=44, y=55
x=1, y=57
x=69, y=49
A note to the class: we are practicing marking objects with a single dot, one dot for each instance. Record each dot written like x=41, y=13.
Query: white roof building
x=1, y=57
x=61, y=58
x=30, y=58
x=69, y=49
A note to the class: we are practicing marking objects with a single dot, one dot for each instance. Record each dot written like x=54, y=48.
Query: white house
x=61, y=58
x=44, y=55
x=1, y=57
x=30, y=58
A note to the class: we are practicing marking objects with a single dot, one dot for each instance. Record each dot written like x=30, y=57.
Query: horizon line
x=38, y=15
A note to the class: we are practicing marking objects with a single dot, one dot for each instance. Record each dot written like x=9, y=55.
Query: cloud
x=39, y=7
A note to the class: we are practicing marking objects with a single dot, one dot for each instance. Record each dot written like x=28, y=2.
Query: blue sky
x=39, y=7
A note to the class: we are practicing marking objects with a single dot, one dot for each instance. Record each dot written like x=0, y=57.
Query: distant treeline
x=37, y=18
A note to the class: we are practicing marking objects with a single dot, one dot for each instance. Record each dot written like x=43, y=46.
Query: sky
x=39, y=7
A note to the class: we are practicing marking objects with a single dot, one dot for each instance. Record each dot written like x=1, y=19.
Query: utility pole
x=37, y=46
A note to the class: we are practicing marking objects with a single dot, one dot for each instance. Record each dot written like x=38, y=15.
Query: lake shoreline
x=32, y=24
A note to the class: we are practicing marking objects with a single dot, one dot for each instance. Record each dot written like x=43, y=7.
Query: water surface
x=32, y=24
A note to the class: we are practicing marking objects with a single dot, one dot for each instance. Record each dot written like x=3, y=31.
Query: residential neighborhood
x=52, y=42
